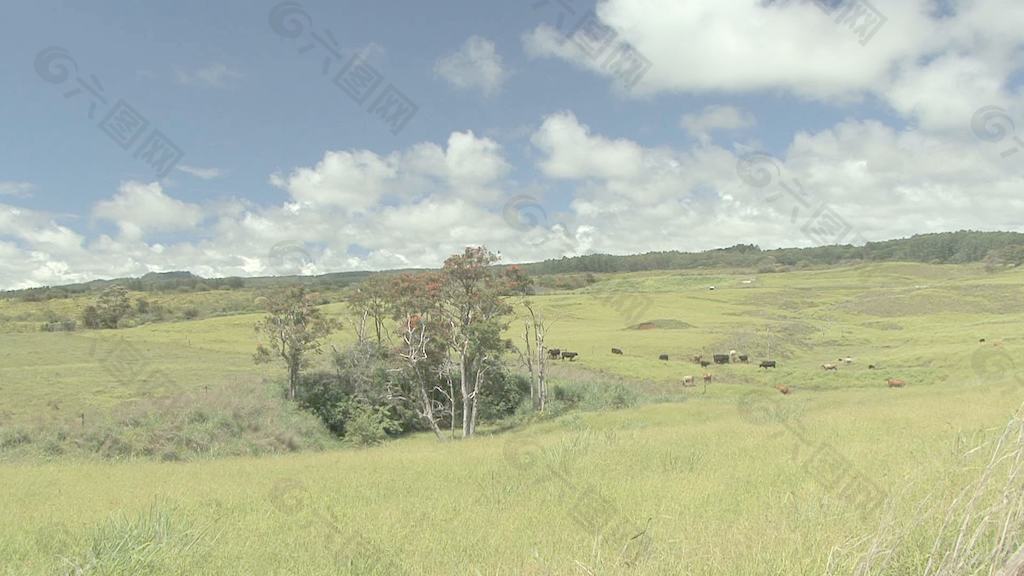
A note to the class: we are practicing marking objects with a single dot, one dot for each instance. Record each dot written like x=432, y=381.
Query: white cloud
x=139, y=208
x=475, y=66
x=201, y=173
x=16, y=189
x=415, y=206
x=214, y=75
x=931, y=69
x=714, y=118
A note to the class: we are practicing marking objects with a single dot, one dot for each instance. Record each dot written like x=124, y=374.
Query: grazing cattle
x=782, y=388
x=847, y=360
x=744, y=358
x=663, y=357
x=895, y=383
x=721, y=358
x=570, y=355
x=697, y=358
x=829, y=367
x=708, y=378
x=705, y=363
x=687, y=380
x=616, y=351
x=766, y=364
x=733, y=356
x=555, y=353
x=982, y=340
x=871, y=366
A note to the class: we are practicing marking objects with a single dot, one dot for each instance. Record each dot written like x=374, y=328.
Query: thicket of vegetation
x=238, y=420
x=429, y=355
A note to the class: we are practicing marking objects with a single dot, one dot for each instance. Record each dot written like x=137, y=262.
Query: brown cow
x=708, y=378
x=782, y=388
x=831, y=367
x=895, y=383
x=697, y=358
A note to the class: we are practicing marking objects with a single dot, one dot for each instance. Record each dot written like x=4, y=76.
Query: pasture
x=732, y=479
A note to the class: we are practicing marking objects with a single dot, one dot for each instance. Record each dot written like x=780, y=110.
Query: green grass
x=737, y=480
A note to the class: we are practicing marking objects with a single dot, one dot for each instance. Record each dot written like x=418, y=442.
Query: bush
x=64, y=325
x=369, y=425
x=591, y=395
x=502, y=395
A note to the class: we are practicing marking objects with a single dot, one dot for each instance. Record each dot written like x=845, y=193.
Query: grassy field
x=737, y=479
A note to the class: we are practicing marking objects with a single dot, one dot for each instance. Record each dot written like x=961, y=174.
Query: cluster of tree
x=184, y=282
x=429, y=350
x=115, y=308
x=939, y=248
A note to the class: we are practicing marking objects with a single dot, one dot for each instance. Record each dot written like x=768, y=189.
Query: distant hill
x=965, y=246
x=939, y=248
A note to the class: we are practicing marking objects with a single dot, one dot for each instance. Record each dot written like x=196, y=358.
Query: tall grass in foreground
x=244, y=419
x=979, y=531
x=148, y=543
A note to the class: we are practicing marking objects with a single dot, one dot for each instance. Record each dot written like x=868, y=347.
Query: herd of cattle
x=733, y=357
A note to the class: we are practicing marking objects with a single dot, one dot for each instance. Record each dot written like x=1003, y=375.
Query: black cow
x=570, y=355
x=616, y=351
x=766, y=364
x=744, y=358
x=555, y=353
x=721, y=358
x=705, y=363
x=663, y=357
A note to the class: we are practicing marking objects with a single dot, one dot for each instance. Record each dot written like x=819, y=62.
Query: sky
x=253, y=138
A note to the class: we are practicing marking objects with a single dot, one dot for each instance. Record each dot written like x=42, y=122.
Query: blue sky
x=511, y=115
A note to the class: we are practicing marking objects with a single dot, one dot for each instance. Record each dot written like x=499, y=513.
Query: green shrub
x=369, y=425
